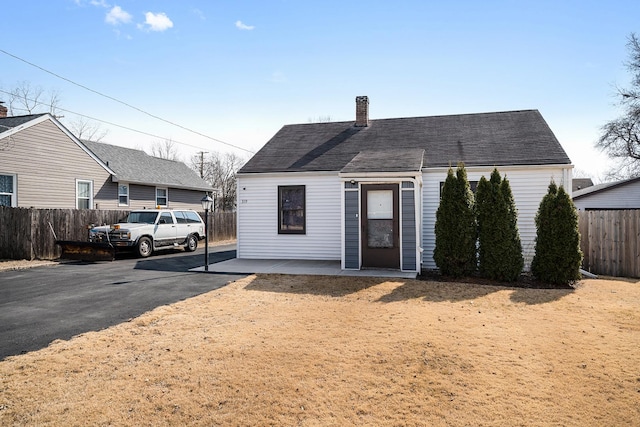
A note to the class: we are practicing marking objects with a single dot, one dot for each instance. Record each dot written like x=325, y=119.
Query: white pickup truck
x=147, y=230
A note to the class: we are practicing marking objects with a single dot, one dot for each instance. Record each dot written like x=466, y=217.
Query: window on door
x=380, y=218
x=8, y=190
x=291, y=209
x=84, y=194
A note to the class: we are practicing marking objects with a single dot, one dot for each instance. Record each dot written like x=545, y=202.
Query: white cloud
x=199, y=14
x=117, y=16
x=121, y=35
x=157, y=21
x=97, y=3
x=241, y=26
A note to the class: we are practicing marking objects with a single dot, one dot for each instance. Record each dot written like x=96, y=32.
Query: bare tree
x=27, y=99
x=620, y=137
x=219, y=170
x=320, y=119
x=87, y=129
x=166, y=149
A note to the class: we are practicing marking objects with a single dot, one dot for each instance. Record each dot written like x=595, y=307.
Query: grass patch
x=319, y=351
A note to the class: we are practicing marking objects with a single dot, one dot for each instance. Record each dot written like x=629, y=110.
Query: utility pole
x=202, y=164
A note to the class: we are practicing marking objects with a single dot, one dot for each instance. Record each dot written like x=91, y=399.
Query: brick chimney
x=362, y=111
x=3, y=110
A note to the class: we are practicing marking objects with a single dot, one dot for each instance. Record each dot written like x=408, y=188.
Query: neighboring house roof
x=602, y=187
x=137, y=167
x=485, y=139
x=15, y=121
x=580, y=183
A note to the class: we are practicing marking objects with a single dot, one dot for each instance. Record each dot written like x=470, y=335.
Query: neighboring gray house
x=43, y=165
x=144, y=180
x=612, y=195
x=366, y=192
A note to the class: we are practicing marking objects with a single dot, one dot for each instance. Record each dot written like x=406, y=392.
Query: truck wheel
x=192, y=243
x=144, y=247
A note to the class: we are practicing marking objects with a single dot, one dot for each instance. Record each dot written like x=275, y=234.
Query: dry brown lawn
x=323, y=351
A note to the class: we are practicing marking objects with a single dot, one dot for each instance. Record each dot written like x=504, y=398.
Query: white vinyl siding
x=258, y=236
x=528, y=185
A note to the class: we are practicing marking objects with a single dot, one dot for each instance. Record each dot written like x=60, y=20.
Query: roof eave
x=585, y=192
x=167, y=185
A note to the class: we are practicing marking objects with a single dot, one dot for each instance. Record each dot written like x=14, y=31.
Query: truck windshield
x=142, y=217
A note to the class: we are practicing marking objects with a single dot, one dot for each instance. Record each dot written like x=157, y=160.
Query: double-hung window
x=162, y=197
x=84, y=194
x=291, y=209
x=8, y=190
x=123, y=194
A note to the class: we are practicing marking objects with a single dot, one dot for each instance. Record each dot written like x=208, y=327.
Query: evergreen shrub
x=558, y=256
x=499, y=246
x=455, y=229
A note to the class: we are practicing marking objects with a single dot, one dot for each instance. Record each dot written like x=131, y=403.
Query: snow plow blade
x=86, y=251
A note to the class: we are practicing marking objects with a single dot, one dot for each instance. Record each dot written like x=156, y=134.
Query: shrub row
x=481, y=234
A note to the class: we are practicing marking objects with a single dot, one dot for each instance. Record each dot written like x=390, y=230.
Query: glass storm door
x=380, y=226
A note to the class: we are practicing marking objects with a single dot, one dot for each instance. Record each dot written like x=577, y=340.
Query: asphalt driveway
x=42, y=304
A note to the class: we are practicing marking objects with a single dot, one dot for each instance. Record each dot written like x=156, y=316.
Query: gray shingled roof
x=137, y=167
x=602, y=187
x=399, y=160
x=485, y=139
x=11, y=122
x=580, y=183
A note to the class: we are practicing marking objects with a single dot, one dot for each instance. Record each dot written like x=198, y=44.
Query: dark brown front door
x=380, y=226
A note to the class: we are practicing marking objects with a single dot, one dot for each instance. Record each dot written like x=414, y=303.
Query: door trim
x=380, y=257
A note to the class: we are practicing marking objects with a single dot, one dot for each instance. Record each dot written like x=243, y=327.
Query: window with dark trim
x=291, y=209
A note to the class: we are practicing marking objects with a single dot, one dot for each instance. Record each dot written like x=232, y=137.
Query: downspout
x=417, y=198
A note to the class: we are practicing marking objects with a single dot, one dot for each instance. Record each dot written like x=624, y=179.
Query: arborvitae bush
x=455, y=229
x=499, y=247
x=513, y=243
x=558, y=256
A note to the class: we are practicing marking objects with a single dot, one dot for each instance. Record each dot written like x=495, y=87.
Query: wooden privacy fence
x=29, y=233
x=610, y=242
x=222, y=226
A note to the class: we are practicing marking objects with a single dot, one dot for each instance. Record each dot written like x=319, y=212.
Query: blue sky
x=237, y=71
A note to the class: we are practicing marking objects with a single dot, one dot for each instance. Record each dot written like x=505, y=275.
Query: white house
x=623, y=194
x=366, y=192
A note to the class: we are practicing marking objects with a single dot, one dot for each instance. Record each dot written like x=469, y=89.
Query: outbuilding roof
x=602, y=187
x=484, y=139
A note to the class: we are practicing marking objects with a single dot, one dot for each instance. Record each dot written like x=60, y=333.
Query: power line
x=107, y=122
x=123, y=103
